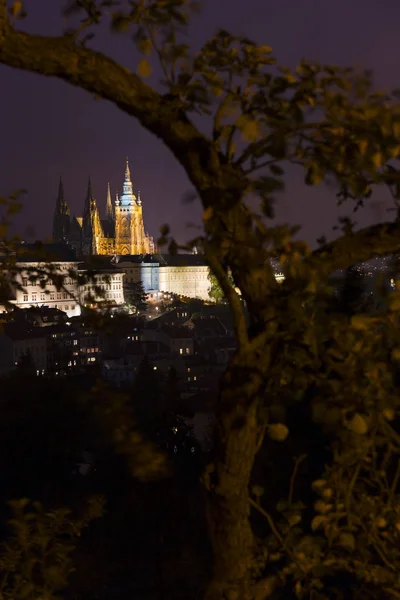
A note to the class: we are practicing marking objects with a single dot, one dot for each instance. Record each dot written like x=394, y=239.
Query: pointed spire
x=89, y=198
x=109, y=206
x=61, y=218
x=60, y=197
x=89, y=190
x=127, y=198
x=127, y=171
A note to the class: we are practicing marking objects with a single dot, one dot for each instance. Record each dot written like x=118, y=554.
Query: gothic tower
x=61, y=218
x=129, y=230
x=91, y=226
x=109, y=206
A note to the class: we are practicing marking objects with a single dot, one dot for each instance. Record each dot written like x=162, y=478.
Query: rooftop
x=45, y=252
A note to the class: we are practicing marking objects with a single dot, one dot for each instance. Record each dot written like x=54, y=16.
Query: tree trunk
x=227, y=480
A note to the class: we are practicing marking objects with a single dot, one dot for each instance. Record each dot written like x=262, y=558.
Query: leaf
x=249, y=128
x=257, y=491
x=208, y=213
x=389, y=414
x=318, y=484
x=378, y=159
x=16, y=8
x=363, y=145
x=323, y=507
x=317, y=522
x=144, y=68
x=357, y=424
x=278, y=432
x=395, y=151
x=360, y=322
x=396, y=354
x=293, y=520
x=145, y=46
x=347, y=541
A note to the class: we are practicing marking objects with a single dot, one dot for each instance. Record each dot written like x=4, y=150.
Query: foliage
x=299, y=350
x=136, y=297
x=215, y=290
x=36, y=560
x=352, y=528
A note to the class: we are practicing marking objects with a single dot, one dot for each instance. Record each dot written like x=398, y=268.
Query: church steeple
x=109, y=206
x=61, y=219
x=127, y=198
x=89, y=196
x=60, y=198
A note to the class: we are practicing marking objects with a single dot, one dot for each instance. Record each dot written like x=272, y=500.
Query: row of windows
x=26, y=281
x=102, y=286
x=42, y=296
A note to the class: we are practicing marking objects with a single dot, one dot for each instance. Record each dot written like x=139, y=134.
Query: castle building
x=121, y=232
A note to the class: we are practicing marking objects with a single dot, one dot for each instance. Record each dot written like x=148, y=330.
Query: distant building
x=181, y=274
x=16, y=344
x=120, y=232
x=50, y=276
x=32, y=285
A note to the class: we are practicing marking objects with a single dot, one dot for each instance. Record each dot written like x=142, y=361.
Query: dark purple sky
x=50, y=129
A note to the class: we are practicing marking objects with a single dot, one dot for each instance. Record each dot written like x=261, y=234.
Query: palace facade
x=121, y=232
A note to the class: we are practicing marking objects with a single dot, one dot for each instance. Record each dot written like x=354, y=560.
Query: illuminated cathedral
x=120, y=232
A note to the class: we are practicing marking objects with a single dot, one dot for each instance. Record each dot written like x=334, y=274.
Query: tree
x=136, y=297
x=215, y=291
x=333, y=124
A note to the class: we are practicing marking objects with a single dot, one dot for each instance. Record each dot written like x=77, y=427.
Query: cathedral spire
x=60, y=197
x=89, y=201
x=89, y=190
x=127, y=198
x=61, y=218
x=109, y=206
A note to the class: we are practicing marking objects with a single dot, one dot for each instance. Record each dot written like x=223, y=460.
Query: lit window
x=180, y=350
x=155, y=368
x=195, y=378
x=187, y=350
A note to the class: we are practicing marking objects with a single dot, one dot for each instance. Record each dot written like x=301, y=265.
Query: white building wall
x=32, y=294
x=190, y=281
x=103, y=288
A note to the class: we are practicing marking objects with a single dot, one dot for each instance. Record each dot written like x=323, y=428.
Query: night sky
x=50, y=129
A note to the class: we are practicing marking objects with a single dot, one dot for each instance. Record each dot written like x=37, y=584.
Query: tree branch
x=98, y=74
x=356, y=247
